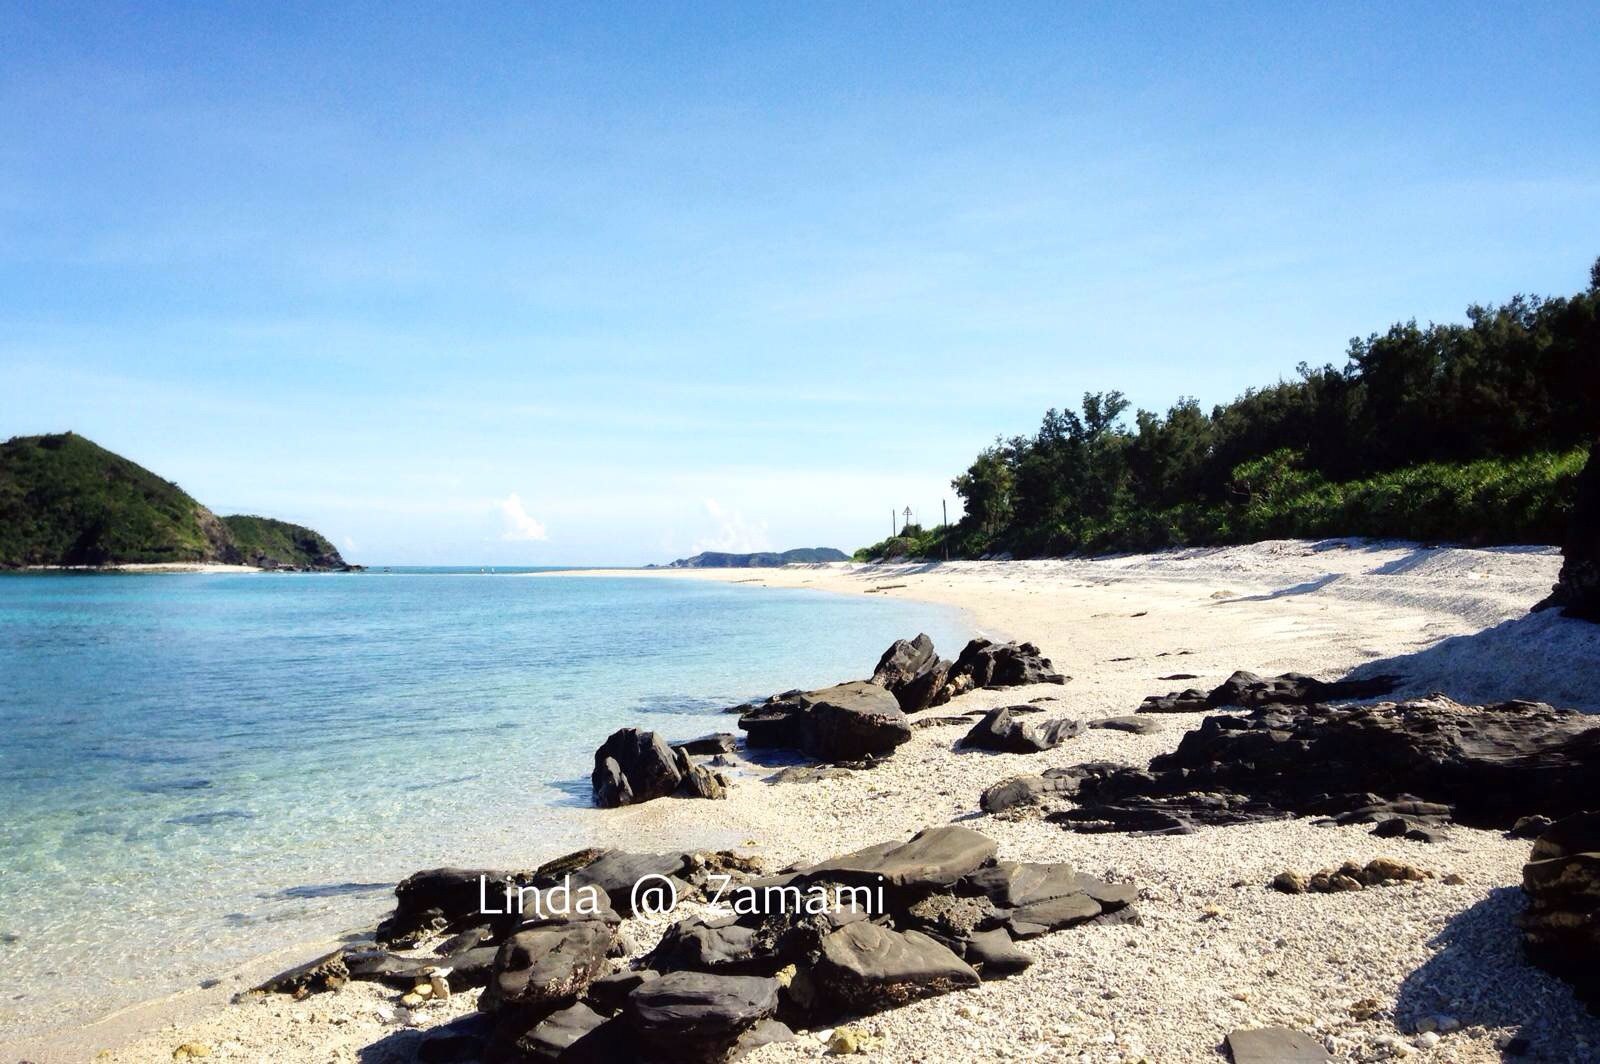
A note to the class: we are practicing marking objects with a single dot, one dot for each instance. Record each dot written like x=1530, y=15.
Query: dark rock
x=1137, y=725
x=716, y=743
x=391, y=969
x=851, y=721
x=558, y=1036
x=1530, y=827
x=986, y=664
x=716, y=945
x=999, y=732
x=634, y=766
x=610, y=992
x=1490, y=765
x=693, y=1016
x=1292, y=688
x=1025, y=790
x=437, y=899
x=1577, y=590
x=1037, y=898
x=761, y=1033
x=865, y=968
x=912, y=672
x=994, y=955
x=938, y=722
x=933, y=858
x=327, y=972
x=950, y=917
x=1561, y=926
x=775, y=722
x=1275, y=1045
x=471, y=968
x=809, y=774
x=615, y=873
x=460, y=1041
x=1189, y=701
x=700, y=782
x=540, y=970
x=467, y=939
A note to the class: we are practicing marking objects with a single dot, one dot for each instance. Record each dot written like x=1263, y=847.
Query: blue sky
x=609, y=284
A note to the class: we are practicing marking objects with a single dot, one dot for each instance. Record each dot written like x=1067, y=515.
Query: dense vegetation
x=760, y=559
x=267, y=542
x=67, y=501
x=1470, y=432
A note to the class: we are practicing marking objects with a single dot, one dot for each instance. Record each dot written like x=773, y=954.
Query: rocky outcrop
x=1486, y=766
x=1247, y=690
x=846, y=722
x=1000, y=732
x=1561, y=926
x=984, y=664
x=898, y=921
x=912, y=671
x=1577, y=589
x=1030, y=789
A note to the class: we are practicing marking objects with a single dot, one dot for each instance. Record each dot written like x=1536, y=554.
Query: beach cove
x=1215, y=950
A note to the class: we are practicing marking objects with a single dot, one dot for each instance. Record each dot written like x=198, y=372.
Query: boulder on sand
x=545, y=968
x=934, y=858
x=987, y=664
x=1561, y=926
x=1000, y=732
x=912, y=671
x=634, y=766
x=846, y=722
x=852, y=721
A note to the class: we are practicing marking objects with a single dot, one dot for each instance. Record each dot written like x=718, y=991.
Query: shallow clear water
x=198, y=768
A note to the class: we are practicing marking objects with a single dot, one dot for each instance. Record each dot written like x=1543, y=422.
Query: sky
x=611, y=284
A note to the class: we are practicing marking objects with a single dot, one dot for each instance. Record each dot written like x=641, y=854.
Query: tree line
x=1468, y=432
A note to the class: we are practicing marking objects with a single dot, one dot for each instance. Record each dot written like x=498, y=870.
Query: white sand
x=1217, y=950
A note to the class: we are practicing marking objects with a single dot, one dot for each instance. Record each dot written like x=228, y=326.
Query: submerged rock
x=634, y=766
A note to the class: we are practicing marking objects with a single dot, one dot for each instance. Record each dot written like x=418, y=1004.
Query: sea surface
x=196, y=769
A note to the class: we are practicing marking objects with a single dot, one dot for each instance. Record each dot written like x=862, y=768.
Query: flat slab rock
x=868, y=968
x=700, y=1007
x=1275, y=1045
x=933, y=858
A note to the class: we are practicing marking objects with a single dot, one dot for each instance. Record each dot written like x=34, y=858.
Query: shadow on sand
x=1543, y=657
x=1481, y=977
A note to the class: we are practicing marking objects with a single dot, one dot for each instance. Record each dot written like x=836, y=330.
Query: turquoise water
x=198, y=768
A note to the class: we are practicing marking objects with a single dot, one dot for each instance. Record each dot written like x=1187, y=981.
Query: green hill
x=64, y=500
x=268, y=542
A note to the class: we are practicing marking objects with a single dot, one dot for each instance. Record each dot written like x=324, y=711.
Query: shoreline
x=1117, y=625
x=145, y=567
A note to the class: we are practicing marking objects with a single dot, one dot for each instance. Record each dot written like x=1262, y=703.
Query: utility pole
x=944, y=507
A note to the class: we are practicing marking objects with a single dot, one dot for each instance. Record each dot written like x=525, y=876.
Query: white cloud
x=520, y=525
x=734, y=534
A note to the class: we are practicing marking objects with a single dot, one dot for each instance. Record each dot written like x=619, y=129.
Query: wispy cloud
x=521, y=526
x=734, y=534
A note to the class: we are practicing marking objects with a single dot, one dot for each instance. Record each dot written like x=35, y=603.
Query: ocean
x=196, y=769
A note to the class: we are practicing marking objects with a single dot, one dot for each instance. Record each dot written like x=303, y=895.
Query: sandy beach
x=1216, y=950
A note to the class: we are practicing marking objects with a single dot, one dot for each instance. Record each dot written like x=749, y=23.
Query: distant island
x=66, y=501
x=759, y=560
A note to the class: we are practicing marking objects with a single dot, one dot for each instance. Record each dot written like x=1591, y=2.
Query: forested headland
x=1471, y=432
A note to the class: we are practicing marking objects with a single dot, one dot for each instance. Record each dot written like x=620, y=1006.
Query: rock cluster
x=913, y=672
x=1247, y=690
x=1349, y=876
x=1002, y=733
x=634, y=766
x=1577, y=589
x=805, y=948
x=1406, y=766
x=1561, y=926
